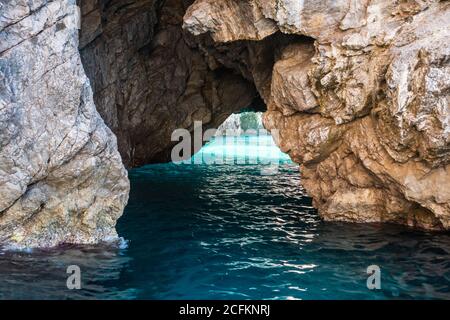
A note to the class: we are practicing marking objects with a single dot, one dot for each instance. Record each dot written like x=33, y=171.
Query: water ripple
x=227, y=232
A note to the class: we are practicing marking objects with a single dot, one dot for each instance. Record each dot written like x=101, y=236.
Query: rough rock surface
x=61, y=177
x=358, y=89
x=150, y=77
x=363, y=105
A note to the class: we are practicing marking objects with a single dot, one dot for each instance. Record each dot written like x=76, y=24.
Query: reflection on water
x=245, y=149
x=228, y=232
x=41, y=274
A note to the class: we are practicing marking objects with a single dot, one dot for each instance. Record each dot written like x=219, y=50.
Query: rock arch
x=363, y=109
x=358, y=90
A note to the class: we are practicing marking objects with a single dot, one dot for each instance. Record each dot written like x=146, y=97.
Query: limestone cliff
x=363, y=105
x=61, y=177
x=150, y=77
x=358, y=89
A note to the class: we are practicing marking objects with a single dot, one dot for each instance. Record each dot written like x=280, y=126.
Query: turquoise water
x=231, y=232
x=240, y=150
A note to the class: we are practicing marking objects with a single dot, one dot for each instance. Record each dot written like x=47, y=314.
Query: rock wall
x=363, y=105
x=150, y=77
x=61, y=177
x=358, y=89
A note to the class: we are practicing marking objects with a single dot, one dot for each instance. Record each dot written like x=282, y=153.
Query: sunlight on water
x=245, y=149
x=230, y=232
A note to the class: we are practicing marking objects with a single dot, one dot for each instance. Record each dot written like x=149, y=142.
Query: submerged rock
x=61, y=177
x=363, y=105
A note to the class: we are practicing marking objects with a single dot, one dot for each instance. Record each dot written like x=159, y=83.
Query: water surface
x=230, y=232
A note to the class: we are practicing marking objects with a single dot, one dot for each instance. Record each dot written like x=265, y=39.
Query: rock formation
x=150, y=77
x=363, y=105
x=358, y=89
x=242, y=123
x=61, y=176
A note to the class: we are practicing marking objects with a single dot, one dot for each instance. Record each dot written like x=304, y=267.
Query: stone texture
x=358, y=89
x=150, y=77
x=61, y=177
x=362, y=104
x=229, y=20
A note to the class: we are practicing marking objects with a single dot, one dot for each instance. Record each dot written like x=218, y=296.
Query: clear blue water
x=231, y=232
x=239, y=150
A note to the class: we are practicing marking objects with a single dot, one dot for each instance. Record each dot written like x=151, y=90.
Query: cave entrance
x=242, y=140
